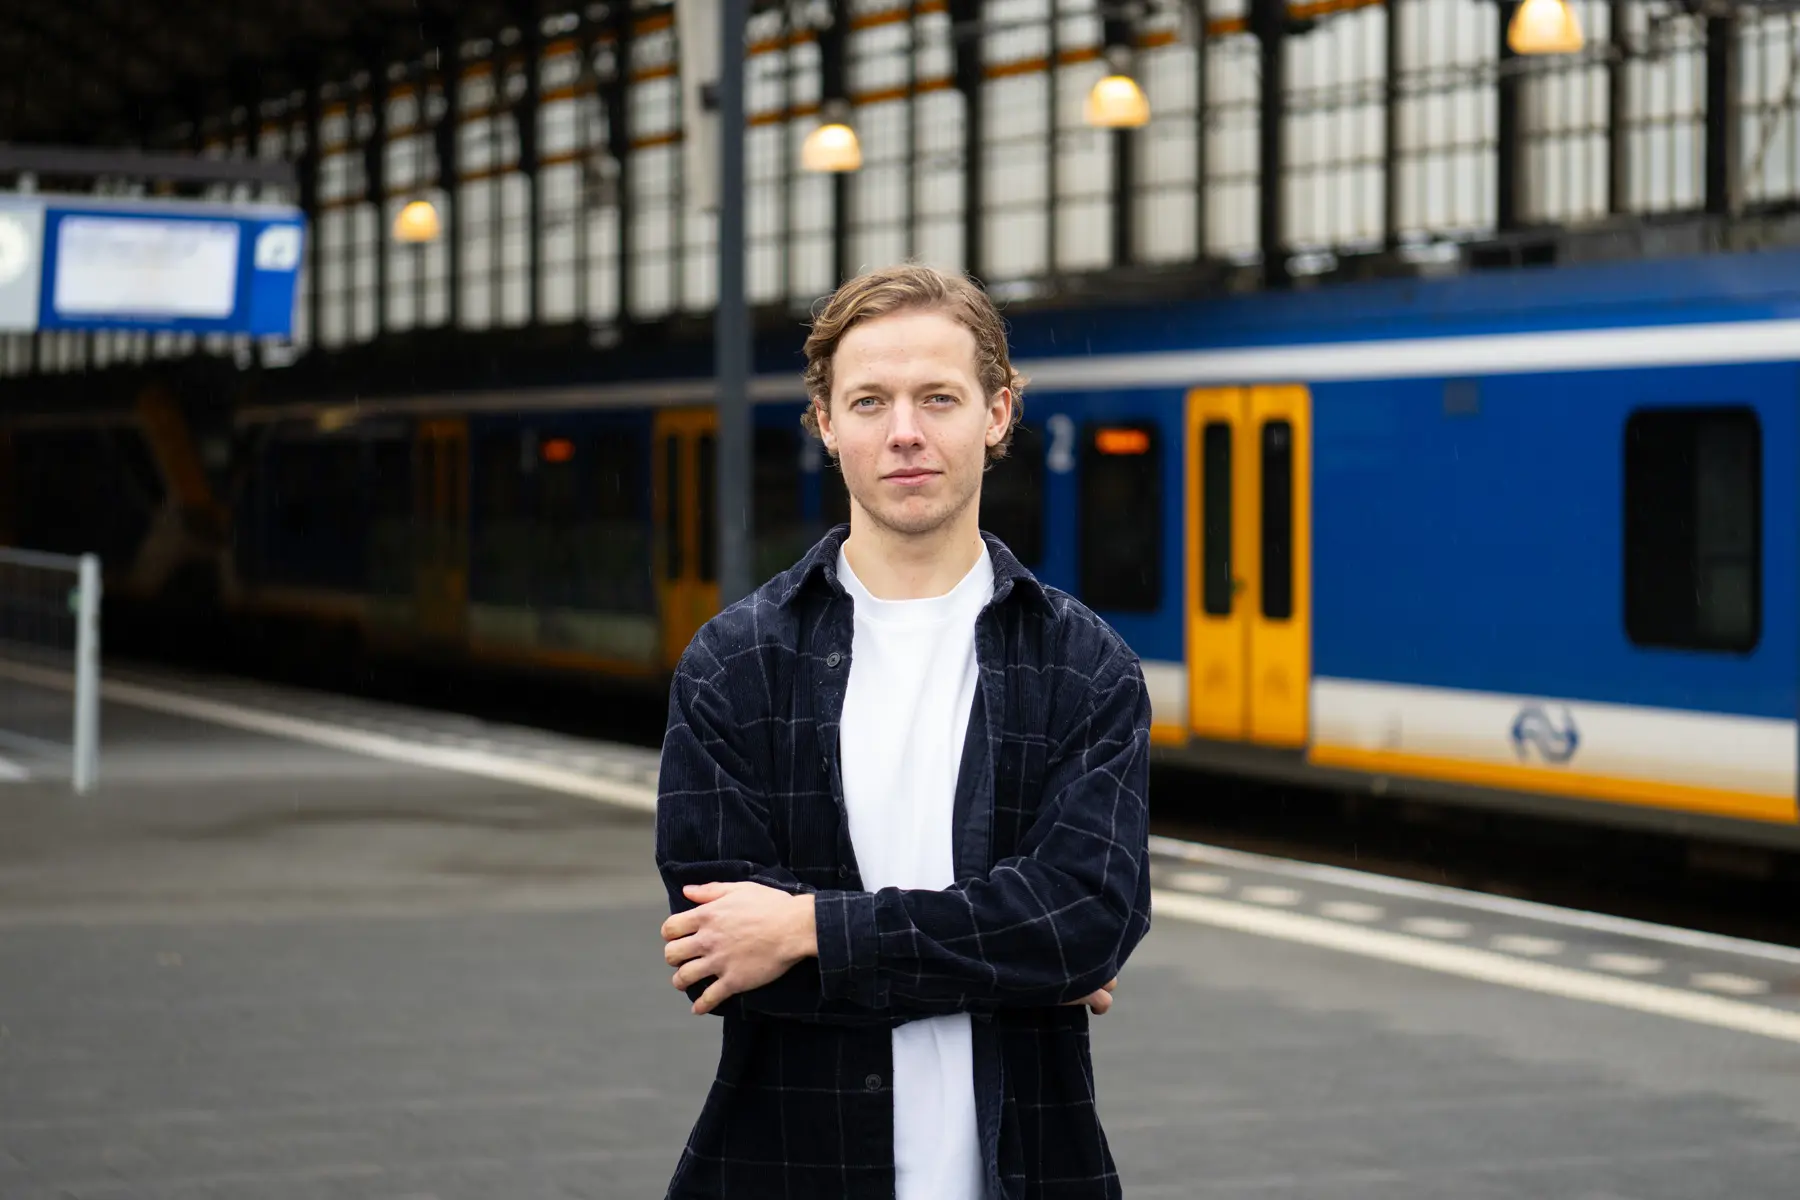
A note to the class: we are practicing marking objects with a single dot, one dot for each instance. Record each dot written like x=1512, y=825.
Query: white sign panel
x=131, y=266
x=21, y=232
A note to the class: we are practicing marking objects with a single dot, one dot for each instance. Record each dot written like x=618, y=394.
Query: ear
x=1000, y=407
x=822, y=412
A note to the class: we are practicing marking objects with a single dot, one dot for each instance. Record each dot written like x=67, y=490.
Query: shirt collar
x=819, y=568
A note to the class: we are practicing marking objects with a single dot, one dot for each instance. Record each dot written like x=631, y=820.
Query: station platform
x=301, y=946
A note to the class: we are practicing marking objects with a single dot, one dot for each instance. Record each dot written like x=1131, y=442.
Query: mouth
x=911, y=475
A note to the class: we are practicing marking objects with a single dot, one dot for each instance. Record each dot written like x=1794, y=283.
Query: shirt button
x=872, y=1082
x=843, y=872
x=833, y=659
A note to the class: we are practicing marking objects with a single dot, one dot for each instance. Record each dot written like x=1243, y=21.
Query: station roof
x=125, y=72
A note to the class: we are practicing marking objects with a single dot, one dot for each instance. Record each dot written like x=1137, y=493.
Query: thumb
x=705, y=893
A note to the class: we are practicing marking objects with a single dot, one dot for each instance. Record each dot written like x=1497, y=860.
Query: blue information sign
x=194, y=267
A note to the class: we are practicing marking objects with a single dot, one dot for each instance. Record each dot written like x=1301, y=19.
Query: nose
x=904, y=428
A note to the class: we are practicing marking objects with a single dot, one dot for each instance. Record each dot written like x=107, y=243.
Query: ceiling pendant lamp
x=1544, y=27
x=833, y=146
x=417, y=222
x=1116, y=101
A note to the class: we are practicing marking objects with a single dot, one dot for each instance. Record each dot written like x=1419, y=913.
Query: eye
x=862, y=400
x=947, y=399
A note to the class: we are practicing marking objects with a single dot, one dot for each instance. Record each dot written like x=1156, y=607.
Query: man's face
x=909, y=421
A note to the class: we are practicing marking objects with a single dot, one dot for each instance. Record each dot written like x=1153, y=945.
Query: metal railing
x=50, y=647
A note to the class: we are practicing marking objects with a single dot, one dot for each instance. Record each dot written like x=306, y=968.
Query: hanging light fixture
x=833, y=146
x=1544, y=27
x=417, y=222
x=1116, y=101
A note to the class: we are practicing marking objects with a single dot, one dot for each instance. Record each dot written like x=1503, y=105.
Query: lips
x=914, y=476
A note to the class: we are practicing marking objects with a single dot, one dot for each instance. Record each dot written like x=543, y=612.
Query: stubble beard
x=920, y=523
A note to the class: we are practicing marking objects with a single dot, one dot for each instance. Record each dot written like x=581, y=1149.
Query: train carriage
x=1524, y=539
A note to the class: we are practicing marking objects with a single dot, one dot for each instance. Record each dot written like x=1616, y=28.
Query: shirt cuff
x=844, y=926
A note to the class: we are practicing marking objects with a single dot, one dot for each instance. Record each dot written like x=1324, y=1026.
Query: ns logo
x=1548, y=730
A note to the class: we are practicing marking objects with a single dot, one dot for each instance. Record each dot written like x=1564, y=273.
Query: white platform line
x=1435, y=927
x=1284, y=897
x=1527, y=944
x=1201, y=854
x=1352, y=910
x=1483, y=965
x=377, y=745
x=12, y=772
x=1724, y=981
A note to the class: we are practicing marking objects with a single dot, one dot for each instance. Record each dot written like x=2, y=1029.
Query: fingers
x=692, y=972
x=681, y=924
x=712, y=997
x=1112, y=983
x=1100, y=1001
x=681, y=950
x=705, y=893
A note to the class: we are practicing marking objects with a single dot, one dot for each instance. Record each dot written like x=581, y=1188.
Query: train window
x=317, y=520
x=618, y=482
x=1693, y=536
x=617, y=575
x=676, y=564
x=557, y=577
x=499, y=480
x=390, y=538
x=1012, y=497
x=781, y=537
x=391, y=463
x=1215, y=518
x=1277, y=520
x=504, y=538
x=559, y=488
x=706, y=450
x=1121, y=518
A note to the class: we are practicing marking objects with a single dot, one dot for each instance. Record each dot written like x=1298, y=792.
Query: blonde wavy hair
x=912, y=288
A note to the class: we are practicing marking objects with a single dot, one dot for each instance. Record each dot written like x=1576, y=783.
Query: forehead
x=904, y=345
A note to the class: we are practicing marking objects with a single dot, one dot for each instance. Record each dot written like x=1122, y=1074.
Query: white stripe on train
x=1392, y=358
x=1624, y=741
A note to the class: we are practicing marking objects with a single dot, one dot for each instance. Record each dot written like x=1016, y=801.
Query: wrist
x=804, y=940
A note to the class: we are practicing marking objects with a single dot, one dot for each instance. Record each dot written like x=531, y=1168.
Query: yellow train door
x=687, y=549
x=441, y=506
x=1249, y=582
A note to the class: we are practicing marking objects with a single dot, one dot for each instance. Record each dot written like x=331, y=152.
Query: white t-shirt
x=906, y=710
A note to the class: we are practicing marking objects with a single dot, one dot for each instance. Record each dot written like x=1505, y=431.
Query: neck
x=899, y=566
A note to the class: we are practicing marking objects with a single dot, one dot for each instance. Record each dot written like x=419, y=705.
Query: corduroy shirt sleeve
x=713, y=821
x=1045, y=926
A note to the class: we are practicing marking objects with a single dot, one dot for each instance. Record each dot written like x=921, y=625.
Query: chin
x=912, y=516
x=910, y=521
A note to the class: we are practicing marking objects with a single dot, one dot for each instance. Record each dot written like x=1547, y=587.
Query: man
x=902, y=812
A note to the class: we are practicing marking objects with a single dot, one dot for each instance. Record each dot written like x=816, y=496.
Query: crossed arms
x=1049, y=925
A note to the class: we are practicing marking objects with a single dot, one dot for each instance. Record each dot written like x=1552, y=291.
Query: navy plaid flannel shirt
x=1053, y=893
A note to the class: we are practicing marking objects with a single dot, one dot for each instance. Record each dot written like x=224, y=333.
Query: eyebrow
x=936, y=385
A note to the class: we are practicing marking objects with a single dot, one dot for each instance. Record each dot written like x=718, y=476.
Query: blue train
x=1524, y=539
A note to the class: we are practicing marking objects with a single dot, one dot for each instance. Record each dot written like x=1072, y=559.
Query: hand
x=1100, y=1001
x=741, y=936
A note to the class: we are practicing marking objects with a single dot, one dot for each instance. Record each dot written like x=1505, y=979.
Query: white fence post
x=87, y=675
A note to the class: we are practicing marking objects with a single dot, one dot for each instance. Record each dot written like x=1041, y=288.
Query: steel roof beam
x=136, y=164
